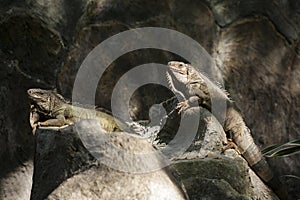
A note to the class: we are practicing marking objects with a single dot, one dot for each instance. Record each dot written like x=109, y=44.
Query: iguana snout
x=35, y=94
x=179, y=67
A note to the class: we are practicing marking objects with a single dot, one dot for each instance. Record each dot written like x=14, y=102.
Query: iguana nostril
x=171, y=63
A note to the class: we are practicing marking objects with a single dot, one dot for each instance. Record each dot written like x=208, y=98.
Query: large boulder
x=65, y=169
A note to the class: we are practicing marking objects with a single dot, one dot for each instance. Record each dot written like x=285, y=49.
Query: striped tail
x=240, y=133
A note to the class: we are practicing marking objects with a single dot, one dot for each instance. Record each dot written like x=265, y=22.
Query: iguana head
x=45, y=100
x=185, y=73
x=180, y=70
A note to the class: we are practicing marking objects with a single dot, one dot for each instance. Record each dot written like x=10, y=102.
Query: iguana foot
x=33, y=117
x=231, y=145
x=212, y=155
x=182, y=106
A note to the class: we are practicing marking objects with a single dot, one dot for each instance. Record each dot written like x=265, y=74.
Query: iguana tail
x=240, y=133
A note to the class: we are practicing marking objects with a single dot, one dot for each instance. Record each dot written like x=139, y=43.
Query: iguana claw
x=182, y=106
x=231, y=145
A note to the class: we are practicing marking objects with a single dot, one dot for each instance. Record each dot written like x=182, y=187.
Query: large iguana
x=198, y=92
x=58, y=112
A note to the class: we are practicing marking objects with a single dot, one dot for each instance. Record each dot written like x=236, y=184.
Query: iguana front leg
x=182, y=106
x=193, y=101
x=60, y=120
x=33, y=118
x=197, y=97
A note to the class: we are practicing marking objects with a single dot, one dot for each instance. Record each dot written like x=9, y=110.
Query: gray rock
x=16, y=185
x=207, y=172
x=221, y=178
x=282, y=13
x=65, y=169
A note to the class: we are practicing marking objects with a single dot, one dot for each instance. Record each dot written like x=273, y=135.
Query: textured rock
x=16, y=141
x=263, y=71
x=221, y=178
x=96, y=25
x=204, y=169
x=16, y=185
x=207, y=137
x=61, y=15
x=282, y=13
x=65, y=169
x=33, y=43
x=292, y=163
x=267, y=75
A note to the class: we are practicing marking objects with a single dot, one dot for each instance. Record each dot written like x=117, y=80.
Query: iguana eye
x=180, y=65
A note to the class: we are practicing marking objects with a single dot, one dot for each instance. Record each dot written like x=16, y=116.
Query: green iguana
x=59, y=111
x=198, y=92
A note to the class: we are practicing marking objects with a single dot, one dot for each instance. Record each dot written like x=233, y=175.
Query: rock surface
x=16, y=184
x=221, y=178
x=79, y=162
x=206, y=171
x=65, y=169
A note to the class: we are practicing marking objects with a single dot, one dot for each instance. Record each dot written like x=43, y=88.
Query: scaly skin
x=59, y=112
x=198, y=90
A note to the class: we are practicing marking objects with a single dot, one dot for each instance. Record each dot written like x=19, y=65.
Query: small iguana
x=197, y=92
x=59, y=111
